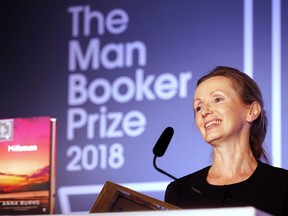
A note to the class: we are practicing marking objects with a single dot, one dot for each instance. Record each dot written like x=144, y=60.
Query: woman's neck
x=231, y=167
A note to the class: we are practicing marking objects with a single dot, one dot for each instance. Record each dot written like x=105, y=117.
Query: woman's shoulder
x=200, y=173
x=272, y=171
x=267, y=166
x=194, y=177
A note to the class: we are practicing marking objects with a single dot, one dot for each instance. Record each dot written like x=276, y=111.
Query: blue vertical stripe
x=276, y=83
x=248, y=37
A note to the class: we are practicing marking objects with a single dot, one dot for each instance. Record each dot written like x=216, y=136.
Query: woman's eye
x=198, y=109
x=217, y=100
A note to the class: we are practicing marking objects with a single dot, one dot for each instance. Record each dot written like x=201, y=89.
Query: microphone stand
x=160, y=170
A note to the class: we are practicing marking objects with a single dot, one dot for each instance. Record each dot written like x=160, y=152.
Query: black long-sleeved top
x=266, y=189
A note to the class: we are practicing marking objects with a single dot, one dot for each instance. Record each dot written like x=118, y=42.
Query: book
x=27, y=165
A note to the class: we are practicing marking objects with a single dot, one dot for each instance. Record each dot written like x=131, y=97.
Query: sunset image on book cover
x=27, y=165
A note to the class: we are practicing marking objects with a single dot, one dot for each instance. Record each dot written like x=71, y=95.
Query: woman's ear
x=254, y=112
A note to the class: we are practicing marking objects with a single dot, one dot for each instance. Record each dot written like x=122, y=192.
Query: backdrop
x=115, y=74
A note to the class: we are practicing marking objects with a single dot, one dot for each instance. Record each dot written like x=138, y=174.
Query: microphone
x=163, y=142
x=160, y=148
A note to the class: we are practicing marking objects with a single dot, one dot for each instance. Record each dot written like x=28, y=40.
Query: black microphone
x=160, y=149
x=161, y=146
x=163, y=142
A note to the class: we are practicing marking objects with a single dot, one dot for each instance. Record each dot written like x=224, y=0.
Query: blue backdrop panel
x=117, y=73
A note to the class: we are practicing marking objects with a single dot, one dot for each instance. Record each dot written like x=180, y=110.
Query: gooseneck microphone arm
x=160, y=148
x=160, y=170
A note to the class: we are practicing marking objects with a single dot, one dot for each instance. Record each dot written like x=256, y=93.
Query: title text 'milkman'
x=22, y=148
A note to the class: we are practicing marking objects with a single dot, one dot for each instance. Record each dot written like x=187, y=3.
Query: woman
x=229, y=113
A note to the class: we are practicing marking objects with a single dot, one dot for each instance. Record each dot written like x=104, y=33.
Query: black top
x=266, y=189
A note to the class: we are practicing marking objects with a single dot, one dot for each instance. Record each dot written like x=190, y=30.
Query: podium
x=126, y=202
x=117, y=198
x=241, y=211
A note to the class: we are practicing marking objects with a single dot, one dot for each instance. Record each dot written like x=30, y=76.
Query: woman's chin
x=212, y=138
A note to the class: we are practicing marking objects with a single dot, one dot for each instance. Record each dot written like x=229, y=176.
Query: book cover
x=27, y=165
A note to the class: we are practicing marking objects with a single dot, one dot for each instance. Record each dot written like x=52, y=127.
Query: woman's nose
x=206, y=111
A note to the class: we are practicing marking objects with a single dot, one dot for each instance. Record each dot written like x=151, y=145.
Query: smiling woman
x=216, y=102
x=247, y=94
x=229, y=112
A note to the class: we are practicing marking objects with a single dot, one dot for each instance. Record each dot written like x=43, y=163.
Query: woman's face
x=219, y=113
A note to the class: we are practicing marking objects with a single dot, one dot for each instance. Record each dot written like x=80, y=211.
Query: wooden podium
x=117, y=198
